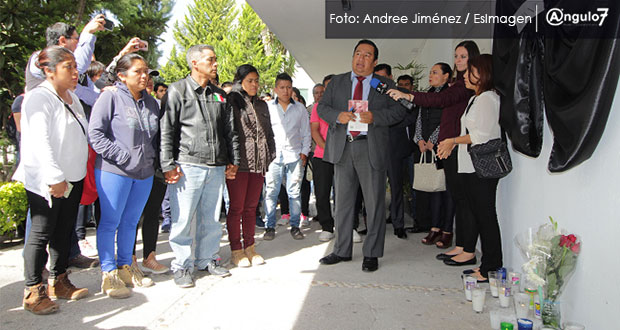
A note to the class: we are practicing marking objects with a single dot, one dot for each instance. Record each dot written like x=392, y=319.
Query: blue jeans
x=198, y=193
x=122, y=200
x=273, y=179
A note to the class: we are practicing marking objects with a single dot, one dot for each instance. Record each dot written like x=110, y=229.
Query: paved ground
x=411, y=290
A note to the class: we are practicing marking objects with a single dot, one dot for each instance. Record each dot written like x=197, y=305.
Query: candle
x=573, y=326
x=493, y=283
x=522, y=304
x=496, y=318
x=506, y=325
x=478, y=296
x=504, y=294
x=470, y=283
x=525, y=324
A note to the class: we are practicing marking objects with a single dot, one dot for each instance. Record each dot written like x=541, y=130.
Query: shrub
x=13, y=207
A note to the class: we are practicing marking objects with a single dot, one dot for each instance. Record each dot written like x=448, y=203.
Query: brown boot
x=254, y=257
x=37, y=301
x=239, y=259
x=62, y=288
x=150, y=265
x=112, y=285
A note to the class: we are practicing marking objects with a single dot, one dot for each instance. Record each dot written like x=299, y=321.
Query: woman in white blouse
x=479, y=124
x=54, y=152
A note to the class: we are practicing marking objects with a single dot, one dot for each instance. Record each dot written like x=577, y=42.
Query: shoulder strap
x=68, y=108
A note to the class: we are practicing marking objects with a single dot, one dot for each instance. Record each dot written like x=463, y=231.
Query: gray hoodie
x=123, y=132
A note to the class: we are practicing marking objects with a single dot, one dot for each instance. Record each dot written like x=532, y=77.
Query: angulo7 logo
x=557, y=17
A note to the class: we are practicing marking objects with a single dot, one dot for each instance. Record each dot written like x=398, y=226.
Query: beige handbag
x=426, y=176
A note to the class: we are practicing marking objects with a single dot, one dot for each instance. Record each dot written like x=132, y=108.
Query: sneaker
x=113, y=286
x=150, y=265
x=87, y=249
x=356, y=237
x=326, y=236
x=296, y=233
x=83, y=262
x=215, y=269
x=305, y=222
x=37, y=301
x=183, y=279
x=62, y=288
x=165, y=226
x=132, y=276
x=270, y=234
x=284, y=220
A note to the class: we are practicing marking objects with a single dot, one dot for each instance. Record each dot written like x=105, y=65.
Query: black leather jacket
x=194, y=131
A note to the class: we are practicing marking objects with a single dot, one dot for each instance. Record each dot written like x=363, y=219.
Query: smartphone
x=68, y=191
x=143, y=45
x=109, y=25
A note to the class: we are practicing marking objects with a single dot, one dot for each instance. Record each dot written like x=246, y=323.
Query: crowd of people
x=109, y=138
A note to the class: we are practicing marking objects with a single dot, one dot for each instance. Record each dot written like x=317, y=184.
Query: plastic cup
x=505, y=292
x=515, y=278
x=478, y=295
x=493, y=283
x=522, y=304
x=525, y=324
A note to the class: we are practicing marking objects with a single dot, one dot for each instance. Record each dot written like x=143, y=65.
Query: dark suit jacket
x=385, y=112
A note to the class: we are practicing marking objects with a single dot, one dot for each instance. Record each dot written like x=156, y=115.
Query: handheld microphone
x=382, y=88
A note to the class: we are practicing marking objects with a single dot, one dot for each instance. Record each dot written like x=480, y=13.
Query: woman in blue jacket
x=122, y=130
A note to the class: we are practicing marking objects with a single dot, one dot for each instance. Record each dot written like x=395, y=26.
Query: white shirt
x=482, y=122
x=53, y=145
x=291, y=130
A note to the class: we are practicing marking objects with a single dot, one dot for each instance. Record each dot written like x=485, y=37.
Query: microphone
x=382, y=88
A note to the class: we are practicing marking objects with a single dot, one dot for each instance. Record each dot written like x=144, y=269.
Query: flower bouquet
x=552, y=257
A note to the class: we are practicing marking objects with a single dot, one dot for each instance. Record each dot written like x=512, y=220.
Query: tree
x=237, y=39
x=23, y=24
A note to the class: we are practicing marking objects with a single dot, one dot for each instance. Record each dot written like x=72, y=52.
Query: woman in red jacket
x=453, y=101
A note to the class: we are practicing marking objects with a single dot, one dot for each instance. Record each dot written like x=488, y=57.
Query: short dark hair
x=157, y=85
x=51, y=56
x=405, y=77
x=317, y=85
x=384, y=66
x=327, y=78
x=484, y=65
x=57, y=30
x=125, y=63
x=226, y=84
x=283, y=76
x=243, y=71
x=94, y=69
x=368, y=42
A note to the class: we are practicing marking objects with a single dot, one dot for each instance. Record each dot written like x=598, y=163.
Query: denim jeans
x=198, y=193
x=273, y=179
x=122, y=200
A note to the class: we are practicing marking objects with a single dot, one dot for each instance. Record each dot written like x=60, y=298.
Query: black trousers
x=323, y=177
x=481, y=195
x=442, y=210
x=51, y=226
x=150, y=217
x=395, y=170
x=466, y=231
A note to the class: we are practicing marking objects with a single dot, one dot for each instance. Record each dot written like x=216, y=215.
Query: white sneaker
x=356, y=237
x=325, y=236
x=87, y=249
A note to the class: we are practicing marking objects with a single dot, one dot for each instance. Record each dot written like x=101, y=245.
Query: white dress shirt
x=482, y=122
x=53, y=146
x=291, y=130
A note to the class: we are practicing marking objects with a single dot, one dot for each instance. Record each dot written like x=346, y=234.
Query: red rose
x=575, y=248
x=572, y=238
x=563, y=240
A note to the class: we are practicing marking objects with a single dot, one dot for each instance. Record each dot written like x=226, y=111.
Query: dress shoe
x=333, y=258
x=443, y=256
x=451, y=262
x=388, y=220
x=400, y=233
x=370, y=264
x=363, y=232
x=416, y=229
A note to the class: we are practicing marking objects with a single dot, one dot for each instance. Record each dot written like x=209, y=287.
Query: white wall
x=585, y=201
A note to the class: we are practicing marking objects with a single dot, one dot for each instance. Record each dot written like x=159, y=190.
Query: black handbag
x=491, y=159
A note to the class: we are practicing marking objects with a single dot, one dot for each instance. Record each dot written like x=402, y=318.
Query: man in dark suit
x=359, y=158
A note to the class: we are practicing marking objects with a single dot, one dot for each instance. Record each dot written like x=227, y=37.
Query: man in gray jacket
x=199, y=150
